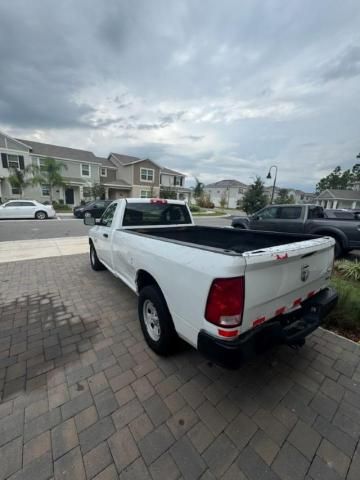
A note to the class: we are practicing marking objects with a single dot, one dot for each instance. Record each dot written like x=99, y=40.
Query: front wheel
x=94, y=260
x=40, y=215
x=156, y=322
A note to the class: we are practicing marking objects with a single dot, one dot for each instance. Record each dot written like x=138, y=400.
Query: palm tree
x=199, y=188
x=49, y=173
x=18, y=179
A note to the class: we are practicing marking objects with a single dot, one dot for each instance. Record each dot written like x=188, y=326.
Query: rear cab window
x=155, y=214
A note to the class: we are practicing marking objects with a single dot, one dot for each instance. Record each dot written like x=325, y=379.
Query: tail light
x=225, y=303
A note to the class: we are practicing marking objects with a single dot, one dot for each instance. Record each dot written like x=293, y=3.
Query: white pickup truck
x=227, y=292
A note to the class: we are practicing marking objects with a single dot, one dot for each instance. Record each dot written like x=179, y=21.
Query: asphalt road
x=65, y=226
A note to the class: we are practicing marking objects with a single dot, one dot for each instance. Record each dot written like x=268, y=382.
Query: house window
x=178, y=181
x=85, y=170
x=15, y=191
x=13, y=161
x=45, y=190
x=42, y=164
x=145, y=194
x=103, y=171
x=147, y=174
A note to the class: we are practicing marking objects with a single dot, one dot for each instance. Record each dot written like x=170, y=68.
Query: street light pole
x=269, y=176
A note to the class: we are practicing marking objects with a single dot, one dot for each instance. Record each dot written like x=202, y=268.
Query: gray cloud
x=222, y=91
x=345, y=65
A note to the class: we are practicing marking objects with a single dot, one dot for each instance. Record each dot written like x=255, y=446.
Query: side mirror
x=89, y=221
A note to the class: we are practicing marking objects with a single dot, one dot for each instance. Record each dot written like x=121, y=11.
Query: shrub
x=194, y=208
x=346, y=316
x=349, y=269
x=204, y=202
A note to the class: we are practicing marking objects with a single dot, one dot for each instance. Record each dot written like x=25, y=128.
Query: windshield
x=139, y=214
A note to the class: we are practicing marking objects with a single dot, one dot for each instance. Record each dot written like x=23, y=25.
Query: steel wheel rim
x=151, y=320
x=92, y=256
x=41, y=216
x=87, y=214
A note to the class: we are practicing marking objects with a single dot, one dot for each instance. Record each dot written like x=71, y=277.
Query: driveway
x=83, y=397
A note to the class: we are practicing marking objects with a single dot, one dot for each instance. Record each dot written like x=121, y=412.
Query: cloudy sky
x=216, y=89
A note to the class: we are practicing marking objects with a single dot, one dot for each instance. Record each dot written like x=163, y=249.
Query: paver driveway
x=83, y=397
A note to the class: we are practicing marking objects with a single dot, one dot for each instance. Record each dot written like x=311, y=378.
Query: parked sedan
x=92, y=209
x=26, y=209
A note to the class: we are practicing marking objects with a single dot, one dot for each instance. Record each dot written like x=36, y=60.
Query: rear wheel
x=339, y=251
x=40, y=215
x=156, y=322
x=94, y=260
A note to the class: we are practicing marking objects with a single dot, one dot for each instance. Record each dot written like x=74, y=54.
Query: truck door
x=104, y=235
x=290, y=219
x=265, y=219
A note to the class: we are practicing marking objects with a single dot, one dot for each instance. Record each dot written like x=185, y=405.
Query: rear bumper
x=286, y=329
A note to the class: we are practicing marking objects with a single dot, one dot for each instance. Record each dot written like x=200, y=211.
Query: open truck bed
x=225, y=239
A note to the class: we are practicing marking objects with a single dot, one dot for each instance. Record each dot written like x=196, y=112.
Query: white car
x=26, y=209
x=226, y=292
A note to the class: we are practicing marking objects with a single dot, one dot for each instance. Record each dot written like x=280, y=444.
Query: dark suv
x=92, y=209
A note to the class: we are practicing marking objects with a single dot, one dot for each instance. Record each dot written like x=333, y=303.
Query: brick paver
x=83, y=397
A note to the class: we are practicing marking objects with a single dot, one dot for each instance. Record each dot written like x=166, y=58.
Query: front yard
x=345, y=319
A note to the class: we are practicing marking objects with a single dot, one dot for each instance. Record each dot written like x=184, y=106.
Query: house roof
x=226, y=184
x=340, y=194
x=48, y=150
x=106, y=162
x=168, y=171
x=124, y=159
x=116, y=183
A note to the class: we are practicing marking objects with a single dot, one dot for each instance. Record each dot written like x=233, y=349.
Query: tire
x=338, y=251
x=41, y=215
x=94, y=260
x=156, y=322
x=239, y=227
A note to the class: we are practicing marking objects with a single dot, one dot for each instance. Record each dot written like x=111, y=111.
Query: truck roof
x=154, y=200
x=294, y=205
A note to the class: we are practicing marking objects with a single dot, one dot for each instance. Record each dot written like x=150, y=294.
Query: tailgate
x=278, y=279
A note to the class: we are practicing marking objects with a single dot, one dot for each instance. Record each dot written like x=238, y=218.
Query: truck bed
x=225, y=239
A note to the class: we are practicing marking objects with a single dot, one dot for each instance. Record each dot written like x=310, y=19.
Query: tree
x=254, y=198
x=18, y=179
x=168, y=192
x=97, y=191
x=223, y=200
x=49, y=173
x=284, y=197
x=339, y=179
x=199, y=188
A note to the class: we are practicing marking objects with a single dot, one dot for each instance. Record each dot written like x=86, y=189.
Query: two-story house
x=174, y=181
x=227, y=193
x=81, y=169
x=121, y=175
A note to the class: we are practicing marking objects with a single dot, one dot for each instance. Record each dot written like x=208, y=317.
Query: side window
x=290, y=213
x=316, y=212
x=268, y=213
x=27, y=204
x=13, y=204
x=107, y=218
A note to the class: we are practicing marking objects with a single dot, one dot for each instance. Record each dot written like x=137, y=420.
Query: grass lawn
x=215, y=213
x=345, y=318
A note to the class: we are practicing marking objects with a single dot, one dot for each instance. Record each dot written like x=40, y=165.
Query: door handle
x=105, y=235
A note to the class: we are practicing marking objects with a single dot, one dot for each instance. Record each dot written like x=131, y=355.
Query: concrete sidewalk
x=48, y=247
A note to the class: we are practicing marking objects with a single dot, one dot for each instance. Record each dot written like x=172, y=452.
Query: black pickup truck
x=304, y=219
